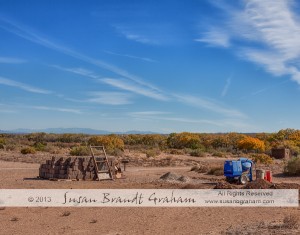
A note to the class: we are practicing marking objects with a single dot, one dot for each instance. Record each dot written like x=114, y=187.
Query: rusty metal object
x=125, y=161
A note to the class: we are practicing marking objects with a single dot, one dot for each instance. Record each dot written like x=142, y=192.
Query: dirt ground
x=202, y=220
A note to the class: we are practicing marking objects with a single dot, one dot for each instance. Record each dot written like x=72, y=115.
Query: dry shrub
x=194, y=168
x=233, y=231
x=197, y=153
x=292, y=167
x=80, y=151
x=177, y=151
x=290, y=222
x=10, y=147
x=110, y=142
x=52, y=149
x=218, y=154
x=152, y=152
x=262, y=158
x=216, y=171
x=200, y=169
x=28, y=150
x=117, y=152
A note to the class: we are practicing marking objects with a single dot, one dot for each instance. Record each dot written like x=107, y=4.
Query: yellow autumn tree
x=184, y=140
x=249, y=143
x=110, y=142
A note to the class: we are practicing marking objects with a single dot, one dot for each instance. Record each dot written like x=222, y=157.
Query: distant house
x=281, y=153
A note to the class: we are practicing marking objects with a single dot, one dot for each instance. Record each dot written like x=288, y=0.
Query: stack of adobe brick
x=70, y=168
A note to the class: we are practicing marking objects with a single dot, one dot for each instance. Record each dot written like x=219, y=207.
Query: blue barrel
x=246, y=166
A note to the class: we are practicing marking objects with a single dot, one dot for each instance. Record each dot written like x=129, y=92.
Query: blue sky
x=172, y=66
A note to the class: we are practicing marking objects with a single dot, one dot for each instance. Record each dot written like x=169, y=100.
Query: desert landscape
x=163, y=170
x=173, y=96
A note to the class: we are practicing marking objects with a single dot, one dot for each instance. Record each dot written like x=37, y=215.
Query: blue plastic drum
x=246, y=166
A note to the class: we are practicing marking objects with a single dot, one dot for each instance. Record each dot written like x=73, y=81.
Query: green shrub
x=80, y=151
x=2, y=143
x=39, y=146
x=262, y=158
x=293, y=166
x=28, y=150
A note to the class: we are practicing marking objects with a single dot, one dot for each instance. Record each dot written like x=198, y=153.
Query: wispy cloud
x=109, y=98
x=131, y=56
x=226, y=87
x=215, y=37
x=29, y=34
x=274, y=39
x=23, y=86
x=148, y=113
x=10, y=60
x=123, y=84
x=65, y=110
x=138, y=38
x=209, y=105
x=231, y=123
x=4, y=108
x=135, y=88
x=79, y=71
x=137, y=35
x=165, y=116
x=7, y=111
x=265, y=89
x=128, y=82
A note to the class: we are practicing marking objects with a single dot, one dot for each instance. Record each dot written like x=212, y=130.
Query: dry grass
x=290, y=222
x=289, y=225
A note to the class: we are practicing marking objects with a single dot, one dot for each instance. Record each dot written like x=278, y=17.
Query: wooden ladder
x=103, y=163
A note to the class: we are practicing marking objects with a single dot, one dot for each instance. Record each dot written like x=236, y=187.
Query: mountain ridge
x=89, y=131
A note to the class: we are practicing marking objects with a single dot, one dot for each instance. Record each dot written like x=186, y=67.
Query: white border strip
x=149, y=198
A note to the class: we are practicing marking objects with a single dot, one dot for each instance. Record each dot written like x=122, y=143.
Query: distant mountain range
x=72, y=131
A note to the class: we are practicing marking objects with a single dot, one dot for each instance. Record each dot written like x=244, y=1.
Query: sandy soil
x=135, y=220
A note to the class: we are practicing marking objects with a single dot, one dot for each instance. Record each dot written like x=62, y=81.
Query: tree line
x=226, y=142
